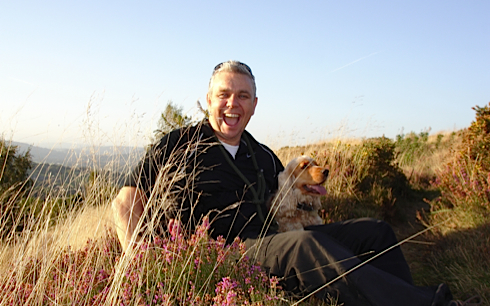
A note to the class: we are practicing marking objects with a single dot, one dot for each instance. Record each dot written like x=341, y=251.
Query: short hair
x=236, y=67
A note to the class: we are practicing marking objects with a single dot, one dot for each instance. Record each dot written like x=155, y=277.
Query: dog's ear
x=291, y=166
x=286, y=181
x=282, y=179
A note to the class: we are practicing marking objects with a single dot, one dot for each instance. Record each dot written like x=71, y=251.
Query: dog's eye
x=304, y=165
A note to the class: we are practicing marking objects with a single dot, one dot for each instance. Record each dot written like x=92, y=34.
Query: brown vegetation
x=415, y=182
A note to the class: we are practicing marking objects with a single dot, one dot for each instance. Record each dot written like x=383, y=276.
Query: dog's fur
x=297, y=201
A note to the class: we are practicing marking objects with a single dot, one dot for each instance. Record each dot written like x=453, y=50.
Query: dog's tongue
x=318, y=189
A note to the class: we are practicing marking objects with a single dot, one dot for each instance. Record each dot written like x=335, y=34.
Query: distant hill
x=105, y=157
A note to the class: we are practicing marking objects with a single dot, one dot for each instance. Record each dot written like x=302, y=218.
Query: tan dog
x=297, y=201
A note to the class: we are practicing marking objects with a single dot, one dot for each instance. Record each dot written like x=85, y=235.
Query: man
x=218, y=169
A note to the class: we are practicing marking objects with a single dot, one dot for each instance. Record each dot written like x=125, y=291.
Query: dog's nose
x=325, y=172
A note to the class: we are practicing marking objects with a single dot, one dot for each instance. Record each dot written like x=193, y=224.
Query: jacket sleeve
x=144, y=176
x=160, y=175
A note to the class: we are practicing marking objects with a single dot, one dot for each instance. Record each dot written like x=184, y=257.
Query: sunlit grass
x=67, y=252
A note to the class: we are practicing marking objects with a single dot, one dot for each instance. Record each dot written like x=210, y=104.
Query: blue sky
x=101, y=71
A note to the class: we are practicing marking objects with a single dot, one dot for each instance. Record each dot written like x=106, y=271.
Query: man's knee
x=383, y=229
x=306, y=240
x=319, y=249
x=371, y=227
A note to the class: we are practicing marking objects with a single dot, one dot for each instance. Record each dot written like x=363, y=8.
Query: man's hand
x=127, y=208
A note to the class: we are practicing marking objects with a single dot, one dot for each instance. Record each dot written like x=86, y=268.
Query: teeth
x=232, y=115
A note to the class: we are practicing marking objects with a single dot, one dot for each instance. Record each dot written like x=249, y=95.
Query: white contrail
x=22, y=81
x=357, y=60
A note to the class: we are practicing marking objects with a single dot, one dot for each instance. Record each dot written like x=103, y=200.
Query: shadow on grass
x=459, y=258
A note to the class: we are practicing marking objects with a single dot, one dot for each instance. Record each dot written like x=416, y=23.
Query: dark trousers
x=306, y=260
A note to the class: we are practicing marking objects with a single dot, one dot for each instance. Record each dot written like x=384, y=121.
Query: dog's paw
x=318, y=220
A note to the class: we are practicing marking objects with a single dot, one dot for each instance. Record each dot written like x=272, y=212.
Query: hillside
x=432, y=188
x=116, y=158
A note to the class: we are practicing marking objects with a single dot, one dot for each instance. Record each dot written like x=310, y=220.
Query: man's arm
x=127, y=208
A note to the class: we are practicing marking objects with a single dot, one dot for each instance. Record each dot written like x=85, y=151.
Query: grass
x=67, y=251
x=455, y=251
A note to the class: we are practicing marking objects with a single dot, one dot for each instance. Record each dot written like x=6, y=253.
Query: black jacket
x=205, y=181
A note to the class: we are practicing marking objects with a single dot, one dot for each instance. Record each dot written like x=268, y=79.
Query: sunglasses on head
x=239, y=63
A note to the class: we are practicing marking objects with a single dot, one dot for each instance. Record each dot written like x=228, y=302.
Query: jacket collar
x=208, y=132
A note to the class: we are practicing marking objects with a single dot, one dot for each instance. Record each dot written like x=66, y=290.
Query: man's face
x=231, y=103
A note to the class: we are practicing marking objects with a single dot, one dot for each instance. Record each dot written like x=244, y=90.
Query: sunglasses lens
x=218, y=66
x=246, y=67
x=239, y=63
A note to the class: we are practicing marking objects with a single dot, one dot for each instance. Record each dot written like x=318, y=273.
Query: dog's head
x=307, y=175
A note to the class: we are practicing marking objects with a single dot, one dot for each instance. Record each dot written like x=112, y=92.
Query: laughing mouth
x=231, y=119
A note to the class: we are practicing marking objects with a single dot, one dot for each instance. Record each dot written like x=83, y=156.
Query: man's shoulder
x=199, y=130
x=265, y=151
x=257, y=144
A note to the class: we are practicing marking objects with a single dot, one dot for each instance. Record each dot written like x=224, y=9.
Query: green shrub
x=14, y=183
x=14, y=169
x=171, y=118
x=465, y=181
x=381, y=167
x=411, y=147
x=463, y=184
x=462, y=214
x=476, y=138
x=364, y=180
x=382, y=183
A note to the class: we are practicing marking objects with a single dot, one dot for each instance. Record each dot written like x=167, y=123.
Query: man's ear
x=255, y=104
x=208, y=100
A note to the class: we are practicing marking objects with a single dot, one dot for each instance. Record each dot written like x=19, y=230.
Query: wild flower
x=163, y=271
x=463, y=183
x=226, y=293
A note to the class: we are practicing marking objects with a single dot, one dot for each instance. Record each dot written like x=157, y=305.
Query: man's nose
x=232, y=101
